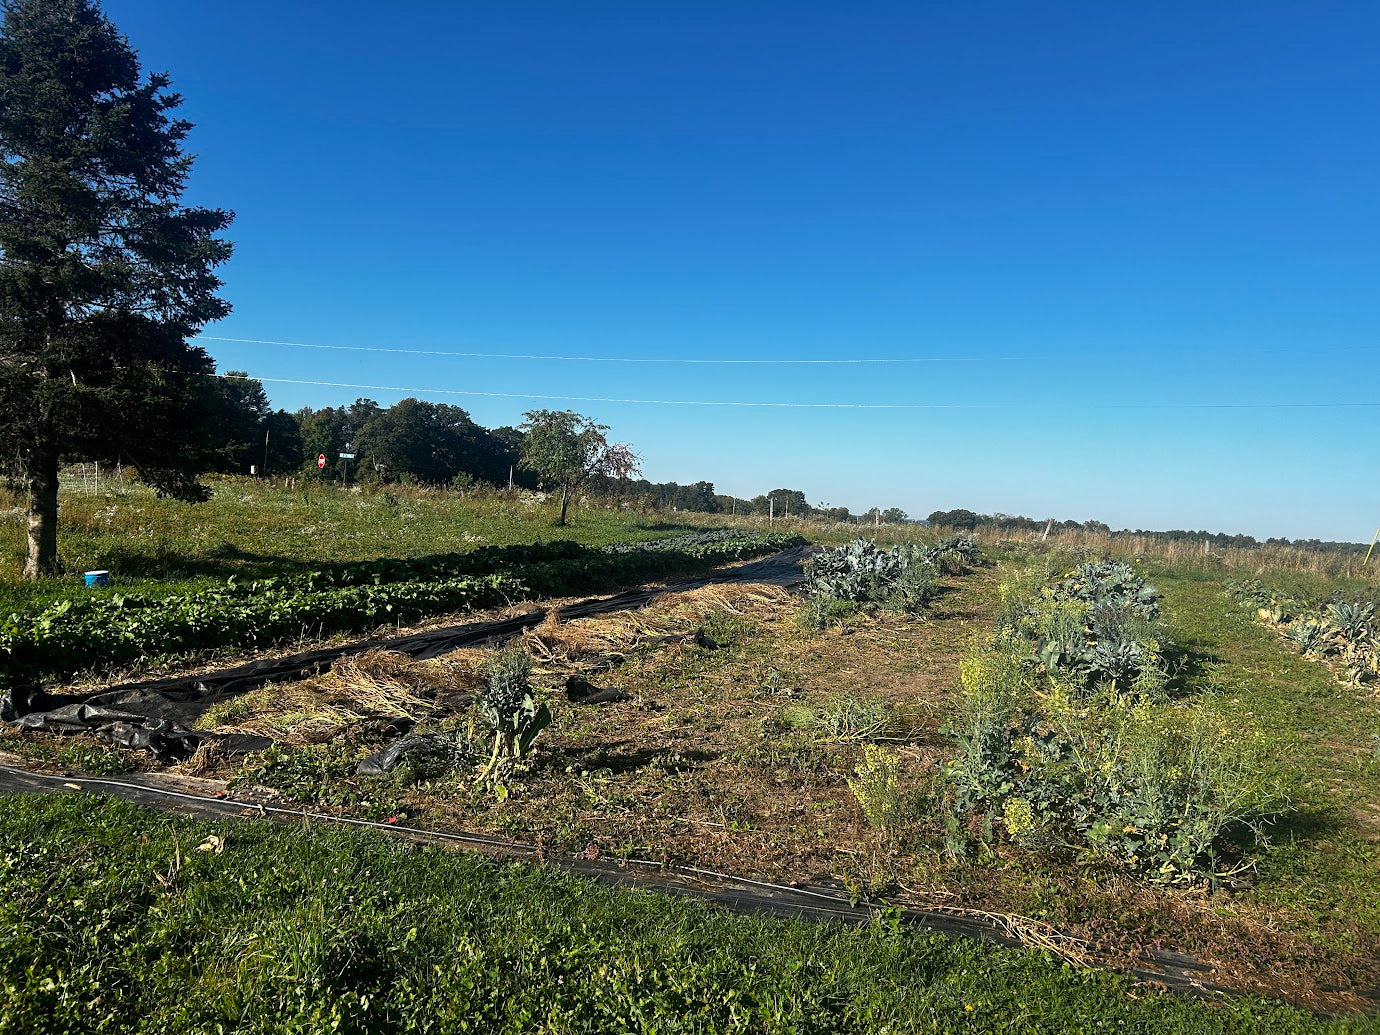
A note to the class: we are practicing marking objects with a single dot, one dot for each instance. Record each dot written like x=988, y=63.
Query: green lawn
x=115, y=921
x=1322, y=872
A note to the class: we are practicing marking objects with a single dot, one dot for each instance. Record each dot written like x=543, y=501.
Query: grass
x=254, y=529
x=1323, y=873
x=124, y=920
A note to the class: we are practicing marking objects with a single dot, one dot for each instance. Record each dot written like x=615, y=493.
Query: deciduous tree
x=565, y=449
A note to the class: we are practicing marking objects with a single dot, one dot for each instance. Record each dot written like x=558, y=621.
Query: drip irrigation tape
x=160, y=714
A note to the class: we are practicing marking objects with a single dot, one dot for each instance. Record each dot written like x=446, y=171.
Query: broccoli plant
x=506, y=706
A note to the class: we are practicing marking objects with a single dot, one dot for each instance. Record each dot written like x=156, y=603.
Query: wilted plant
x=847, y=718
x=1356, y=620
x=1306, y=635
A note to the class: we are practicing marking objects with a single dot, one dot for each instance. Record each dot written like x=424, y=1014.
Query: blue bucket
x=98, y=578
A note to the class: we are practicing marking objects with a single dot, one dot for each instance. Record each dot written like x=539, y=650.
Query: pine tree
x=104, y=275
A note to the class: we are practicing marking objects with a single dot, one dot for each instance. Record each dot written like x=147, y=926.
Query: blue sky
x=1110, y=230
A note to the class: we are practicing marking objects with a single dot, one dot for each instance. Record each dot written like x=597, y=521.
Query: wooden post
x=1374, y=539
x=771, y=510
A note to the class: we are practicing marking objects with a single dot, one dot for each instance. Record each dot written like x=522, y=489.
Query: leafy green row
x=75, y=635
x=1070, y=744
x=1342, y=633
x=99, y=632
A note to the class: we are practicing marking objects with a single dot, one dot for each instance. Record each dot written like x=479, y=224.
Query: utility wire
x=689, y=360
x=809, y=405
x=598, y=359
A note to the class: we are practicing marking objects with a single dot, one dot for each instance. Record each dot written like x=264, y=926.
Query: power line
x=599, y=359
x=696, y=360
x=808, y=405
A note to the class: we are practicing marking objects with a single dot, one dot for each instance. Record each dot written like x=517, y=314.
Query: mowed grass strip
x=116, y=919
x=1321, y=875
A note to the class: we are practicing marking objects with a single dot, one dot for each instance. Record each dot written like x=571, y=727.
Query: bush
x=904, y=579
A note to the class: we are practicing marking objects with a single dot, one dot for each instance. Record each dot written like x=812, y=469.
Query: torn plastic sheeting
x=179, y=701
x=388, y=759
x=134, y=730
x=580, y=690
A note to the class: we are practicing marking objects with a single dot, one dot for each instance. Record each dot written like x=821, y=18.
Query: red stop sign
x=321, y=461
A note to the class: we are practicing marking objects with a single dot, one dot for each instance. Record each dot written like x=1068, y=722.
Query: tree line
x=969, y=520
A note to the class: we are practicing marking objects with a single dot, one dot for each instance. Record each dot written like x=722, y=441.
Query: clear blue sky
x=1098, y=215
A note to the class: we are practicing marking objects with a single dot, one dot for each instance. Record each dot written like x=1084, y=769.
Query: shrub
x=903, y=579
x=1120, y=777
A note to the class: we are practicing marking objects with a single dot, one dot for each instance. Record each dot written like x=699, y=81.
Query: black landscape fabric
x=159, y=714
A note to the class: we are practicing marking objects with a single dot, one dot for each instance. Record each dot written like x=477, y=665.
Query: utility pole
x=265, y=466
x=771, y=510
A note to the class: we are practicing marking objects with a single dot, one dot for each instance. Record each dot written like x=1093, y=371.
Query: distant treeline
x=967, y=519
x=424, y=443
x=436, y=444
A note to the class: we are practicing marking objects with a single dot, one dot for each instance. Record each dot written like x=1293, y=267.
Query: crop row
x=1070, y=743
x=100, y=632
x=1341, y=633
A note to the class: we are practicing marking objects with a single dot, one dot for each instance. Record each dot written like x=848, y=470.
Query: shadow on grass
x=226, y=560
x=1189, y=667
x=618, y=759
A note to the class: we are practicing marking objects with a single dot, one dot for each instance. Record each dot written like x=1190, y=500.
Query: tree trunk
x=565, y=505
x=43, y=511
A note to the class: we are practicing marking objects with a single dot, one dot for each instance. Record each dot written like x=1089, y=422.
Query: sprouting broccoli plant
x=507, y=707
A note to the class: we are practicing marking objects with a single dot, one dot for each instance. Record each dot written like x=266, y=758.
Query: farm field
x=257, y=529
x=312, y=930
x=750, y=732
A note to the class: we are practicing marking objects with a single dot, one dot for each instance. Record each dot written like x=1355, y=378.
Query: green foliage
x=106, y=276
x=849, y=718
x=1097, y=629
x=98, y=631
x=827, y=612
x=113, y=921
x=901, y=579
x=1113, y=777
x=1340, y=632
x=565, y=449
x=506, y=705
